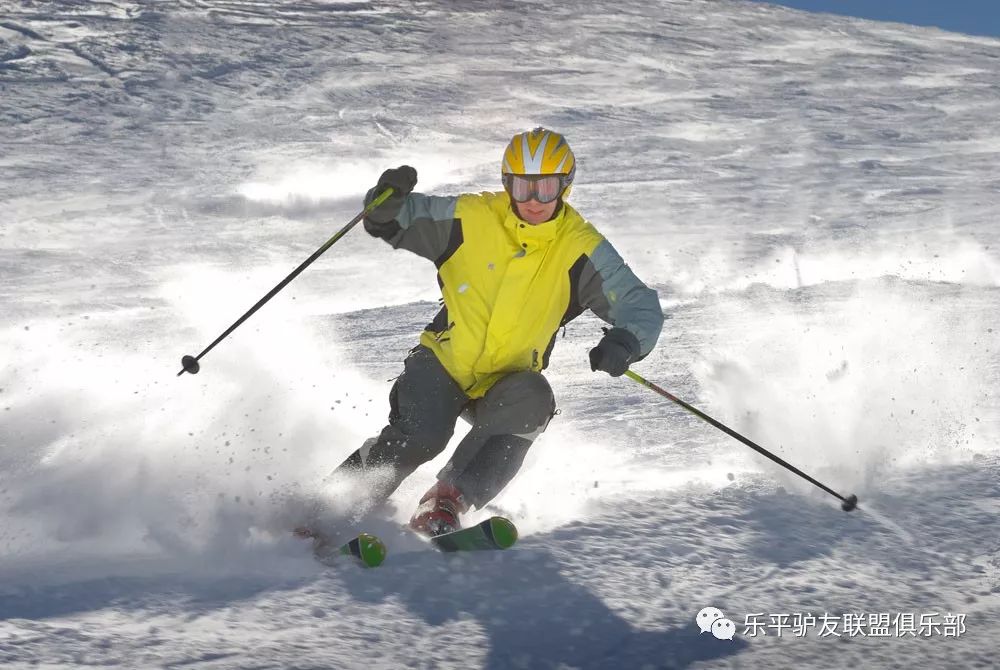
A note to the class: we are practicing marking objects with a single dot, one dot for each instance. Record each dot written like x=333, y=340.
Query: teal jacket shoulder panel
x=425, y=225
x=609, y=288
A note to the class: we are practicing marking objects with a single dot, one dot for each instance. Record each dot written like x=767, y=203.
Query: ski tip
x=367, y=548
x=371, y=550
x=503, y=532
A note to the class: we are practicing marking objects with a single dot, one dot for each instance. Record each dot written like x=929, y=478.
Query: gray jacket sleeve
x=610, y=289
x=424, y=225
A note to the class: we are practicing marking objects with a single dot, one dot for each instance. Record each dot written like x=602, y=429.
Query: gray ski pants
x=425, y=403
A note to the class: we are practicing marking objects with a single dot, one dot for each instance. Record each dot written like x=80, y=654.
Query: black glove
x=402, y=180
x=615, y=352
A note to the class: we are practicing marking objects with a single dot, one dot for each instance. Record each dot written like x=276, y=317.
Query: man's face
x=527, y=193
x=534, y=212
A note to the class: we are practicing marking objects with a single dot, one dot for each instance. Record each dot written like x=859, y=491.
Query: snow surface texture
x=814, y=197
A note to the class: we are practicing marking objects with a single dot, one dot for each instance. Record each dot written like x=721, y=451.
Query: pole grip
x=379, y=199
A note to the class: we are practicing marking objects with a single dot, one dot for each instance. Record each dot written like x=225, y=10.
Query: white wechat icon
x=723, y=629
x=708, y=616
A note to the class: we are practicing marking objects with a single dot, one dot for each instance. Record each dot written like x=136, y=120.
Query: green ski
x=367, y=548
x=493, y=533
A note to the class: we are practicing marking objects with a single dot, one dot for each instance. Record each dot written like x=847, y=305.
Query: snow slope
x=814, y=198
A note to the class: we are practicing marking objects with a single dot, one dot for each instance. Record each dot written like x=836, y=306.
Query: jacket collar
x=532, y=237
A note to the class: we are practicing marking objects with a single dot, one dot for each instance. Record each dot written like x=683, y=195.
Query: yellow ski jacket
x=508, y=286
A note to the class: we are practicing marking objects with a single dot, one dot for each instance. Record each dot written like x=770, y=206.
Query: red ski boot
x=438, y=510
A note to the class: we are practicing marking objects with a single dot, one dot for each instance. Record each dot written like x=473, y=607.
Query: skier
x=513, y=266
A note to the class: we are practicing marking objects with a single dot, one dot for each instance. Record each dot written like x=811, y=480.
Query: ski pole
x=848, y=503
x=190, y=363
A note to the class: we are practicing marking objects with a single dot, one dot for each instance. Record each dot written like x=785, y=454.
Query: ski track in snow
x=813, y=196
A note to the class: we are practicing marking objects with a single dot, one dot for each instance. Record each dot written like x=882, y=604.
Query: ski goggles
x=544, y=188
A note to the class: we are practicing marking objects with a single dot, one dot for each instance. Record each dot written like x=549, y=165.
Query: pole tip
x=190, y=365
x=850, y=502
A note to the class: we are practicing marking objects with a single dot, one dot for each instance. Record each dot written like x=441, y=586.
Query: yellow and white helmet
x=540, y=152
